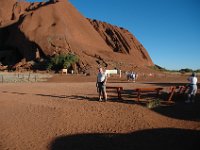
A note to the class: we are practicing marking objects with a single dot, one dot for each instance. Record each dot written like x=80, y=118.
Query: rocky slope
x=122, y=41
x=33, y=31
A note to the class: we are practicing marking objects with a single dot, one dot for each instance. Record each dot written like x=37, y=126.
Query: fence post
x=2, y=78
x=29, y=76
x=120, y=73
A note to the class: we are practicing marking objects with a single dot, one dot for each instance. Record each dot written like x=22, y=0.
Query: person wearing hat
x=192, y=88
x=101, y=84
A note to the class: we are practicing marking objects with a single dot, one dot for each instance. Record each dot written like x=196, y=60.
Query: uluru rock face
x=122, y=41
x=32, y=30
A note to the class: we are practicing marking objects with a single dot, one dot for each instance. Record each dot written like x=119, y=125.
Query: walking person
x=101, y=84
x=192, y=88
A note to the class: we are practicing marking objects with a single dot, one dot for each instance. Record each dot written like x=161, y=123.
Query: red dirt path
x=59, y=116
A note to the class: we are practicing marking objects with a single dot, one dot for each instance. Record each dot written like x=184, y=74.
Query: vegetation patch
x=153, y=103
x=62, y=61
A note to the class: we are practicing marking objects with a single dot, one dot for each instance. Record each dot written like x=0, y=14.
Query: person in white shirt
x=101, y=84
x=133, y=76
x=192, y=88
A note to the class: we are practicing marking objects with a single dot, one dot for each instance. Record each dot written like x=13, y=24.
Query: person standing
x=133, y=76
x=101, y=84
x=192, y=88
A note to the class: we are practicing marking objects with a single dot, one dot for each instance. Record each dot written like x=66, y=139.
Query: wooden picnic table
x=178, y=90
x=118, y=88
x=147, y=90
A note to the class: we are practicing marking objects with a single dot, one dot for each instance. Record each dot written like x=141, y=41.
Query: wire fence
x=23, y=77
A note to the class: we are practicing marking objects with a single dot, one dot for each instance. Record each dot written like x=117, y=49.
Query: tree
x=186, y=70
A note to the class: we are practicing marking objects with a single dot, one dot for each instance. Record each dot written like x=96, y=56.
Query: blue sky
x=168, y=29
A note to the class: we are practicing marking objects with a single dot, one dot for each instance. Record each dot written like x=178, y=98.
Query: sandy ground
x=64, y=114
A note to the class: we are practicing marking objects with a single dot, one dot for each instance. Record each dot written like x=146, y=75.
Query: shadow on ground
x=178, y=110
x=165, y=139
x=181, y=110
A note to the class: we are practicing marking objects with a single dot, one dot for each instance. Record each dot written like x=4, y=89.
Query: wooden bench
x=147, y=90
x=118, y=88
x=182, y=89
x=178, y=90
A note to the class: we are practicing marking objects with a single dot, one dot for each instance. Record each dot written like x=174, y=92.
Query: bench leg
x=138, y=95
x=119, y=94
x=158, y=93
x=171, y=94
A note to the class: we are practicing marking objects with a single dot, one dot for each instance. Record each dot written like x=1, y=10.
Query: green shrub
x=186, y=70
x=62, y=61
x=153, y=103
